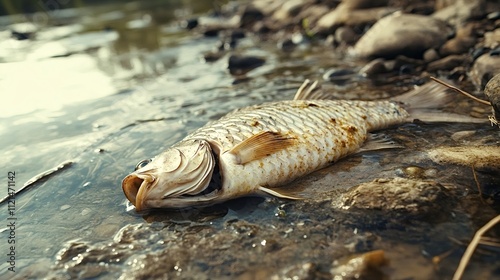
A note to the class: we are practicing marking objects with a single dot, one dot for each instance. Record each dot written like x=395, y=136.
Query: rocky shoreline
x=458, y=40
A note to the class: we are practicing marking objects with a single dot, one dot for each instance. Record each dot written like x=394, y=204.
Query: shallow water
x=108, y=86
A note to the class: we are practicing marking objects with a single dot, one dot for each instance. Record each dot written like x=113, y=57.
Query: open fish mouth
x=136, y=188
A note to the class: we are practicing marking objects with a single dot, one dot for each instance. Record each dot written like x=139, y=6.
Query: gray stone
x=353, y=13
x=402, y=34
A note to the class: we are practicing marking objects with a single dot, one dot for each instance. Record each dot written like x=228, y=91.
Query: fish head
x=184, y=175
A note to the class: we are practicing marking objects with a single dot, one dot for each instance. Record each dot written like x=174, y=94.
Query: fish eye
x=142, y=163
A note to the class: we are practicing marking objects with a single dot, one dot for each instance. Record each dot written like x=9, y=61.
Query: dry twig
x=485, y=102
x=472, y=246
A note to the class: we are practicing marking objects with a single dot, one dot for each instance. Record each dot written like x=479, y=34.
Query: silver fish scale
x=318, y=117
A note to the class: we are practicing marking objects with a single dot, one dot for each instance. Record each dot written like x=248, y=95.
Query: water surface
x=109, y=85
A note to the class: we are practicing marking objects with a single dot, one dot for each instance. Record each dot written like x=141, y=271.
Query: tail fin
x=423, y=103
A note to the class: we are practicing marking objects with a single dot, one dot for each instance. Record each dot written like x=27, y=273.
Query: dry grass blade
x=472, y=246
x=461, y=91
x=478, y=185
x=492, y=242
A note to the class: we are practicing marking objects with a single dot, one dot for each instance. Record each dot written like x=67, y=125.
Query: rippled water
x=107, y=86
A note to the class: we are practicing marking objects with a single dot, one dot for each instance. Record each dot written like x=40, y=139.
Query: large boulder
x=402, y=34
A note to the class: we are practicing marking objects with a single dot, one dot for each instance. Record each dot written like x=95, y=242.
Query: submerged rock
x=239, y=65
x=402, y=34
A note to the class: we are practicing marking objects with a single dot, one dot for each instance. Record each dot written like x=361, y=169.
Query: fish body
x=258, y=148
x=309, y=135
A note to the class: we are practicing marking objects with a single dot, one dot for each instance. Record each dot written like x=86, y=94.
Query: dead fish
x=259, y=148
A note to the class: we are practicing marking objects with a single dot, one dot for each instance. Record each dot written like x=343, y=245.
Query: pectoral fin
x=260, y=145
x=279, y=194
x=378, y=142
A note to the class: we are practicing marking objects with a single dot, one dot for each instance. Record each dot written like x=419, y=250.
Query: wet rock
x=417, y=172
x=213, y=56
x=374, y=67
x=484, y=68
x=21, y=35
x=447, y=63
x=477, y=52
x=311, y=14
x=23, y=31
x=402, y=34
x=460, y=11
x=365, y=266
x=250, y=16
x=492, y=92
x=353, y=13
x=341, y=76
x=189, y=23
x=461, y=43
x=363, y=4
x=289, y=9
x=346, y=35
x=477, y=156
x=492, y=39
x=239, y=65
x=286, y=45
x=493, y=15
x=431, y=55
x=400, y=195
x=267, y=7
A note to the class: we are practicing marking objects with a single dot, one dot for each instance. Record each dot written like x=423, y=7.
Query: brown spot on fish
x=333, y=120
x=350, y=129
x=312, y=104
x=254, y=123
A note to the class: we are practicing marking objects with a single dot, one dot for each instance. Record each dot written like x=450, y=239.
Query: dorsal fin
x=310, y=91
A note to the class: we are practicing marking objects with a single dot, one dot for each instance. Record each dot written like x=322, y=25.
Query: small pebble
x=374, y=67
x=414, y=172
x=241, y=64
x=65, y=207
x=85, y=211
x=431, y=55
